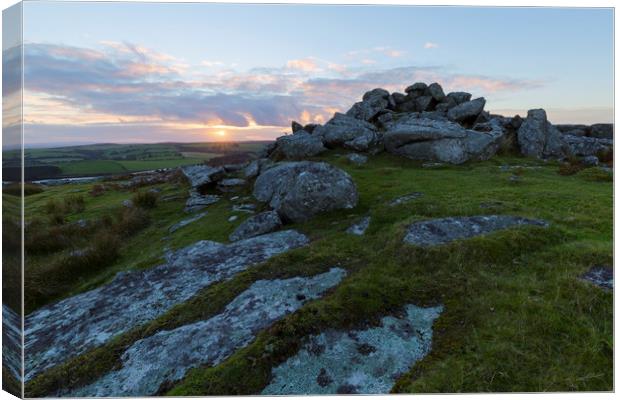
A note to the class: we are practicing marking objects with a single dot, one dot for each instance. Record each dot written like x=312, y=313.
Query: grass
x=96, y=167
x=517, y=317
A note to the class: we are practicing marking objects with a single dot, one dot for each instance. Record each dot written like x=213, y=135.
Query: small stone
x=232, y=218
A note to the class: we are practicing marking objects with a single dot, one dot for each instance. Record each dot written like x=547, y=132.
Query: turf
x=517, y=317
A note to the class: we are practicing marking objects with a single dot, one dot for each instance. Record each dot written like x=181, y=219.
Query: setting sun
x=220, y=133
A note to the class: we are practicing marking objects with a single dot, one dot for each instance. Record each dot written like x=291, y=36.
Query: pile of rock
x=426, y=124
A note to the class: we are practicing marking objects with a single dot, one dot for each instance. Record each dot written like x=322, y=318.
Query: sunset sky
x=122, y=72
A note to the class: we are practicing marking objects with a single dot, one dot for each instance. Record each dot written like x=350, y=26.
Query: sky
x=152, y=72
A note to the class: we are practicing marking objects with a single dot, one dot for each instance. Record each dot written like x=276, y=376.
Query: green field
x=517, y=317
x=102, y=159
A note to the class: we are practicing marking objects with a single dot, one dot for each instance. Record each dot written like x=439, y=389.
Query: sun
x=220, y=133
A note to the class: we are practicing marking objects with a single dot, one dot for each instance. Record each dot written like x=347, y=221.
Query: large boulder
x=435, y=91
x=537, y=137
x=467, y=111
x=459, y=97
x=586, y=146
x=602, y=131
x=258, y=224
x=349, y=132
x=202, y=175
x=300, y=190
x=298, y=146
x=442, y=141
x=372, y=104
x=417, y=89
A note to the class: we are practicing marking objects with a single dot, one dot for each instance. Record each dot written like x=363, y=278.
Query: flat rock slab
x=359, y=228
x=445, y=230
x=365, y=361
x=65, y=329
x=186, y=222
x=167, y=355
x=601, y=276
x=405, y=199
x=197, y=201
x=11, y=342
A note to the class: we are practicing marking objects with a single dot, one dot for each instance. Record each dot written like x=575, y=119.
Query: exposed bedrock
x=65, y=329
x=362, y=361
x=11, y=342
x=444, y=230
x=167, y=355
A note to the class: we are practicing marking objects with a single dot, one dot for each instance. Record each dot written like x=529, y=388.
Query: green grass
x=84, y=168
x=145, y=165
x=517, y=318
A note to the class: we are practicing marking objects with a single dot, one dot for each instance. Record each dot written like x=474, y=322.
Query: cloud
x=306, y=65
x=122, y=83
x=430, y=45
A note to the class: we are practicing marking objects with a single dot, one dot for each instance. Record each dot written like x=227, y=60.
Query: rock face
x=202, y=175
x=538, y=138
x=301, y=190
x=230, y=184
x=67, y=328
x=256, y=225
x=168, y=355
x=11, y=342
x=349, y=132
x=443, y=141
x=365, y=361
x=586, y=146
x=359, y=228
x=445, y=230
x=299, y=146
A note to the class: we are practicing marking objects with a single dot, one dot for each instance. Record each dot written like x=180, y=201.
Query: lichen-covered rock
x=352, y=133
x=254, y=168
x=65, y=329
x=445, y=230
x=359, y=228
x=586, y=146
x=435, y=91
x=197, y=201
x=538, y=138
x=602, y=131
x=168, y=355
x=230, y=184
x=186, y=222
x=371, y=105
x=299, y=146
x=258, y=224
x=357, y=159
x=467, y=111
x=417, y=89
x=601, y=276
x=202, y=175
x=459, y=97
x=362, y=361
x=300, y=190
x=573, y=129
x=11, y=342
x=441, y=141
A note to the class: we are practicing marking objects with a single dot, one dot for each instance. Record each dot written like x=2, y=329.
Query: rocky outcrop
x=442, y=141
x=467, y=111
x=440, y=231
x=301, y=190
x=346, y=131
x=586, y=146
x=602, y=131
x=298, y=146
x=12, y=342
x=364, y=361
x=258, y=224
x=372, y=104
x=230, y=184
x=538, y=138
x=168, y=355
x=197, y=201
x=200, y=176
x=65, y=329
